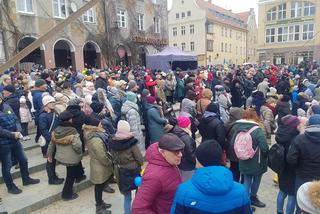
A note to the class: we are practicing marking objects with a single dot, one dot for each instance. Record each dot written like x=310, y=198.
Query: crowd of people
x=208, y=158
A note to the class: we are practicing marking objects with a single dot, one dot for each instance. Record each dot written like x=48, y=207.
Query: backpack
x=276, y=158
x=243, y=145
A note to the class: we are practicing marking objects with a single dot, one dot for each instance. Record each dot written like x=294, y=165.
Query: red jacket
x=150, y=85
x=159, y=184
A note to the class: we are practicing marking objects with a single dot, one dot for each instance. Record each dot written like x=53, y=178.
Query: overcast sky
x=235, y=5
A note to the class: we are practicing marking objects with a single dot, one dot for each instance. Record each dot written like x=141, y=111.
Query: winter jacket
x=8, y=123
x=44, y=124
x=155, y=123
x=205, y=194
x=304, y=154
x=160, y=90
x=286, y=178
x=211, y=127
x=263, y=87
x=267, y=119
x=37, y=103
x=188, y=106
x=101, y=166
x=188, y=160
x=131, y=112
x=101, y=83
x=202, y=105
x=283, y=109
x=66, y=142
x=258, y=164
x=25, y=114
x=78, y=120
x=159, y=184
x=170, y=86
x=14, y=103
x=224, y=102
x=180, y=88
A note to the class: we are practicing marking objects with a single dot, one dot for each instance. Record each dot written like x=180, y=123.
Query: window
x=308, y=31
x=210, y=28
x=221, y=47
x=25, y=6
x=209, y=45
x=272, y=14
x=282, y=34
x=183, y=46
x=2, y=55
x=226, y=32
x=296, y=9
x=141, y=22
x=192, y=46
x=294, y=33
x=226, y=47
x=89, y=15
x=230, y=48
x=183, y=15
x=122, y=18
x=222, y=31
x=309, y=9
x=59, y=8
x=157, y=25
x=230, y=33
x=175, y=45
x=191, y=29
x=177, y=15
x=183, y=30
x=189, y=13
x=270, y=35
x=282, y=10
x=174, y=31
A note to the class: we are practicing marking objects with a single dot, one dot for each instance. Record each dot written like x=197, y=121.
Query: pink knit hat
x=183, y=122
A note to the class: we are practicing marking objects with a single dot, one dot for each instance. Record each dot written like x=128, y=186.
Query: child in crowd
x=26, y=118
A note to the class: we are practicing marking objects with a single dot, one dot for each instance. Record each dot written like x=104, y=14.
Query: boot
x=256, y=202
x=30, y=181
x=56, y=181
x=100, y=210
x=108, y=189
x=14, y=190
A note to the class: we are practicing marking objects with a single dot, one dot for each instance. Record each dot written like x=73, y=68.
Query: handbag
x=42, y=140
x=126, y=178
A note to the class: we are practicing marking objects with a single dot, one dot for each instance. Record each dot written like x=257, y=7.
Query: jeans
x=67, y=191
x=24, y=127
x=234, y=168
x=127, y=202
x=291, y=203
x=6, y=153
x=252, y=183
x=51, y=168
x=98, y=190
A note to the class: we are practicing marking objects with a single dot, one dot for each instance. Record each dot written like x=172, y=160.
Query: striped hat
x=290, y=120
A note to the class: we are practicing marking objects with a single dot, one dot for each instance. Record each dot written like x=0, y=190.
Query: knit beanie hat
x=183, y=122
x=91, y=121
x=9, y=88
x=209, y=153
x=314, y=120
x=131, y=85
x=315, y=109
x=145, y=93
x=123, y=126
x=47, y=99
x=97, y=107
x=151, y=99
x=65, y=116
x=308, y=197
x=301, y=112
x=290, y=120
x=132, y=97
x=40, y=82
x=44, y=75
x=213, y=107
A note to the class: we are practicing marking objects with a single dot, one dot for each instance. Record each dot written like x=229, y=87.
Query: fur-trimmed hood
x=90, y=132
x=64, y=135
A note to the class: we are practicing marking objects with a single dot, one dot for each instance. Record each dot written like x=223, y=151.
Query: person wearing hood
x=304, y=153
x=287, y=131
x=264, y=86
x=267, y=114
x=283, y=108
x=128, y=161
x=66, y=145
x=253, y=168
x=130, y=110
x=235, y=115
x=116, y=103
x=205, y=193
x=155, y=122
x=161, y=177
x=188, y=108
x=188, y=161
x=224, y=101
x=204, y=101
x=211, y=127
x=101, y=164
x=100, y=113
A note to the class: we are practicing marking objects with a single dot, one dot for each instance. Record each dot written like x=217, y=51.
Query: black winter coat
x=14, y=103
x=284, y=137
x=188, y=161
x=304, y=154
x=283, y=109
x=211, y=127
x=101, y=83
x=79, y=118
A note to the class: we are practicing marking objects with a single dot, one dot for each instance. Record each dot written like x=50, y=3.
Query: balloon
x=138, y=181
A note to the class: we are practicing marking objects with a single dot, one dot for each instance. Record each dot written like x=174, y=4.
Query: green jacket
x=258, y=164
x=66, y=141
x=101, y=166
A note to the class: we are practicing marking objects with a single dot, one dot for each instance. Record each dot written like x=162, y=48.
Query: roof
x=244, y=16
x=224, y=16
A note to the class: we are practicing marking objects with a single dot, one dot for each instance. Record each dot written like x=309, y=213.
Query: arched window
x=309, y=9
x=272, y=14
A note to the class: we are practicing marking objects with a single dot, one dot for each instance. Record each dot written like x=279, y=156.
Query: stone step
x=38, y=196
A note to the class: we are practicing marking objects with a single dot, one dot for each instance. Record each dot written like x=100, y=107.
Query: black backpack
x=276, y=158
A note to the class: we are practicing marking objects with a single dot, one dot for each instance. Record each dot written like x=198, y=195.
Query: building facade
x=288, y=31
x=121, y=31
x=214, y=34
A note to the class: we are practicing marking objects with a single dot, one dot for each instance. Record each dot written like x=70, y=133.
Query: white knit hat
x=23, y=99
x=47, y=99
x=123, y=126
x=305, y=202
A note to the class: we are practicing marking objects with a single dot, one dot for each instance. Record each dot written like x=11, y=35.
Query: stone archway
x=91, y=55
x=36, y=56
x=64, y=53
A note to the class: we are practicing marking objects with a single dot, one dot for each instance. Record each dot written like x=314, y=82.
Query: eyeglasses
x=177, y=152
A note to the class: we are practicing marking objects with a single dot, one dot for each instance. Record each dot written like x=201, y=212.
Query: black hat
x=209, y=153
x=65, y=116
x=91, y=121
x=96, y=107
x=171, y=142
x=9, y=88
x=40, y=82
x=213, y=107
x=44, y=75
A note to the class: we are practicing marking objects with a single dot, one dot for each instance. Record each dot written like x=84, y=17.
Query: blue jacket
x=8, y=123
x=37, y=103
x=211, y=190
x=44, y=123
